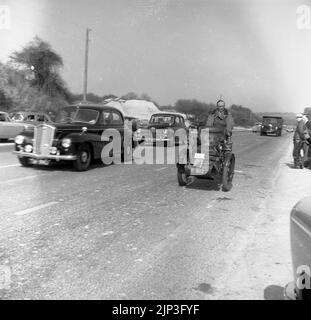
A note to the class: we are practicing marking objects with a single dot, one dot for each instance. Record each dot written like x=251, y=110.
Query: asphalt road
x=128, y=231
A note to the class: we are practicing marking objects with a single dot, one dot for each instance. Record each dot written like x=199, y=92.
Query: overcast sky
x=249, y=51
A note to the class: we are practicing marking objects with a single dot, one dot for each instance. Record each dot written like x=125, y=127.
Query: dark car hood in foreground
x=301, y=233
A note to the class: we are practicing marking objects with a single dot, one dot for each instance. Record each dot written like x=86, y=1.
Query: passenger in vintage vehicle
x=162, y=127
x=300, y=230
x=8, y=128
x=75, y=136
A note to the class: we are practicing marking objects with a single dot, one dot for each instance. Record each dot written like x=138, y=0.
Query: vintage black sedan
x=76, y=135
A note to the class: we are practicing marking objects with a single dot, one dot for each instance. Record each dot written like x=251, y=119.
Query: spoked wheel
x=84, y=157
x=228, y=172
x=182, y=177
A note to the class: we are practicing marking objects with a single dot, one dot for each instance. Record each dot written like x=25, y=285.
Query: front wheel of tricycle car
x=182, y=178
x=84, y=157
x=24, y=161
x=228, y=172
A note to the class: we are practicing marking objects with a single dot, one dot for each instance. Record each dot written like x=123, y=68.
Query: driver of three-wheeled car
x=221, y=119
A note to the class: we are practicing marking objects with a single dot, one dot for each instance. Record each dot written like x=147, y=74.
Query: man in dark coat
x=222, y=119
x=298, y=140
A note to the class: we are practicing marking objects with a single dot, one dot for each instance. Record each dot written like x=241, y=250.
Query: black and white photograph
x=155, y=150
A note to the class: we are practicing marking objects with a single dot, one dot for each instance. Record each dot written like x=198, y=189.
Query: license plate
x=44, y=162
x=198, y=160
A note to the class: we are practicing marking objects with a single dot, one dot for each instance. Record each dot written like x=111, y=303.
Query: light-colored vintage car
x=8, y=128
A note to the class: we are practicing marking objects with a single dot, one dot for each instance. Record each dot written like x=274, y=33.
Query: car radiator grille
x=43, y=139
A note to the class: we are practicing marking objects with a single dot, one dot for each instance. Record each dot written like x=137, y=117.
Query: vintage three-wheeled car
x=209, y=156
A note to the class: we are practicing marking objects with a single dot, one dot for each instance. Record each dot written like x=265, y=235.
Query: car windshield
x=18, y=117
x=162, y=119
x=270, y=120
x=74, y=114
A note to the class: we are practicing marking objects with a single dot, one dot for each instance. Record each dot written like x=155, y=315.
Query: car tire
x=84, y=158
x=182, y=178
x=24, y=161
x=228, y=172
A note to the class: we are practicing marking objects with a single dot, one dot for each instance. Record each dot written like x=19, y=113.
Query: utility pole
x=87, y=40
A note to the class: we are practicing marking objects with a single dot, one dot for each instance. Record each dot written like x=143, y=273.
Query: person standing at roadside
x=298, y=140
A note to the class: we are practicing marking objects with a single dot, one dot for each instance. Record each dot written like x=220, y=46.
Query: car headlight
x=19, y=139
x=28, y=148
x=66, y=143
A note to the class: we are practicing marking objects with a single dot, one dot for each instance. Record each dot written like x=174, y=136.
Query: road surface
x=129, y=231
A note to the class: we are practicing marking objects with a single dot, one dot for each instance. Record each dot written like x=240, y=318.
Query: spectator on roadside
x=299, y=140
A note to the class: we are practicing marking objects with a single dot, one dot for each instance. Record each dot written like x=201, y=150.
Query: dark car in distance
x=271, y=125
x=75, y=136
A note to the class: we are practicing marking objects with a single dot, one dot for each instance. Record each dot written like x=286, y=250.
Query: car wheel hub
x=84, y=156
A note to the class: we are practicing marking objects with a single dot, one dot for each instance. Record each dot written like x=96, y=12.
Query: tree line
x=38, y=66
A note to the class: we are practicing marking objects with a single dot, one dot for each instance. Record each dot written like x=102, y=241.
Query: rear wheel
x=84, y=157
x=228, y=172
x=24, y=161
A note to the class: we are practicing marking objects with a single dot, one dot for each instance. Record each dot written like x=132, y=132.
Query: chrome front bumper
x=41, y=157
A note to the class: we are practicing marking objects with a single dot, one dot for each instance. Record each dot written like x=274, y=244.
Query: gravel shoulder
x=264, y=266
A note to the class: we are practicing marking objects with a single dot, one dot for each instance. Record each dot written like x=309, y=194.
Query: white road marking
x=33, y=209
x=10, y=165
x=6, y=144
x=24, y=178
x=160, y=169
x=238, y=171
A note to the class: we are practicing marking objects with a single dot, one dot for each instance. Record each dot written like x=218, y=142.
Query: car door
x=111, y=119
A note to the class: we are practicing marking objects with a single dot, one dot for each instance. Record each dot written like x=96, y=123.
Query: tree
x=195, y=109
x=146, y=97
x=130, y=96
x=243, y=116
x=43, y=62
x=109, y=96
x=5, y=102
